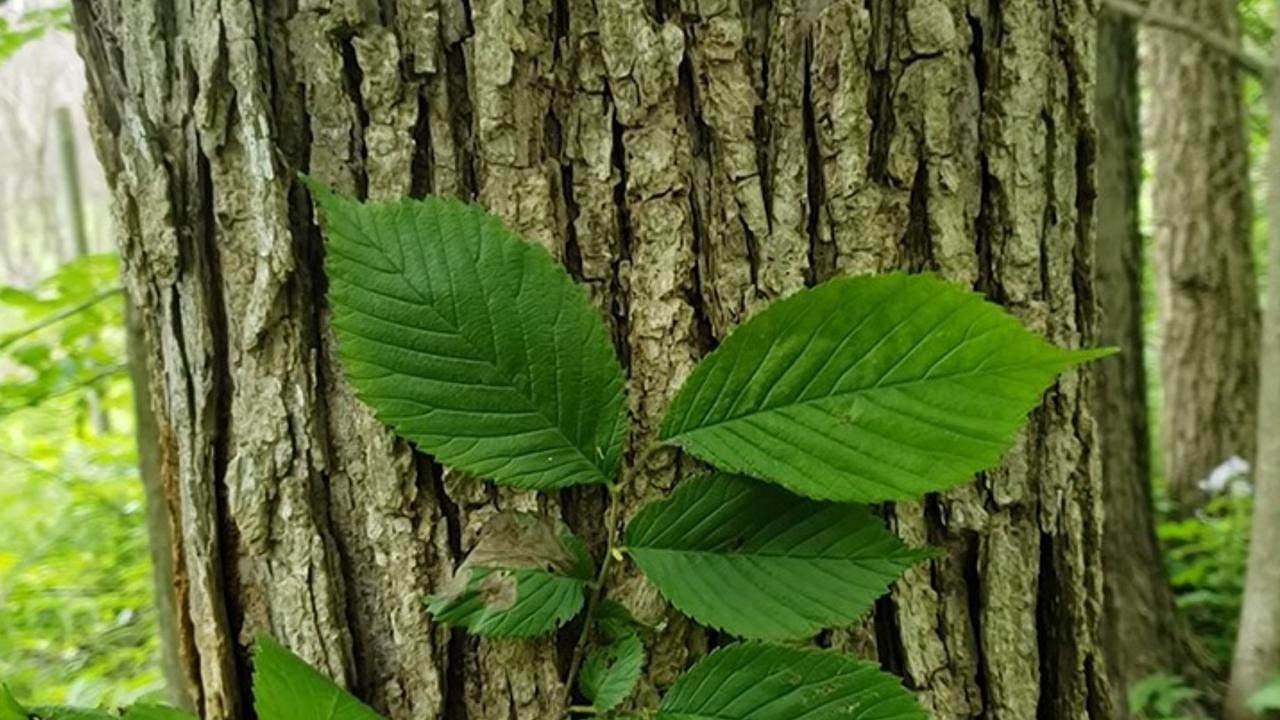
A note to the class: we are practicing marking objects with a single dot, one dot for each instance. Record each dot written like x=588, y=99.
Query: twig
x=1256, y=65
x=597, y=592
x=57, y=317
x=87, y=382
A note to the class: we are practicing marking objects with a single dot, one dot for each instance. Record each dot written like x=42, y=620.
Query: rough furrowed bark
x=1206, y=287
x=688, y=161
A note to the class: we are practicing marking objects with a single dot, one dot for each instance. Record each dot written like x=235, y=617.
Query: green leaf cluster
x=1267, y=699
x=524, y=578
x=1162, y=696
x=11, y=709
x=77, y=613
x=30, y=26
x=477, y=347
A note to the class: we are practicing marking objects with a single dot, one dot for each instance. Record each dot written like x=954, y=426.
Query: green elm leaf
x=524, y=578
x=756, y=681
x=610, y=673
x=285, y=687
x=472, y=343
x=759, y=562
x=867, y=389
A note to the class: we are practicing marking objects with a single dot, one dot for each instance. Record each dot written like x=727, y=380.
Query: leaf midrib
x=860, y=391
x=808, y=558
x=483, y=357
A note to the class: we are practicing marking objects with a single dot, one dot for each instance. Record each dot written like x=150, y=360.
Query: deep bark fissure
x=973, y=597
x=621, y=336
x=422, y=171
x=821, y=260
x=1050, y=218
x=353, y=76
x=1047, y=610
x=206, y=250
x=462, y=115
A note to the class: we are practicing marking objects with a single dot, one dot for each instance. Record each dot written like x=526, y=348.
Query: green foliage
x=752, y=681
x=1162, y=697
x=523, y=579
x=77, y=621
x=1266, y=699
x=866, y=389
x=611, y=672
x=68, y=334
x=31, y=25
x=287, y=688
x=479, y=348
x=11, y=709
x=471, y=343
x=63, y=712
x=614, y=621
x=1207, y=557
x=756, y=561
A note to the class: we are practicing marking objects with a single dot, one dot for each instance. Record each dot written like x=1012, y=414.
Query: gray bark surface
x=160, y=515
x=1257, y=654
x=688, y=162
x=1207, y=293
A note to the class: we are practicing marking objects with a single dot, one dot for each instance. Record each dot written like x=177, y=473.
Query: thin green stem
x=597, y=592
x=55, y=318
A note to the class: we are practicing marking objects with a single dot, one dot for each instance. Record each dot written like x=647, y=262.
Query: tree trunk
x=1205, y=281
x=1142, y=631
x=688, y=163
x=159, y=514
x=1257, y=655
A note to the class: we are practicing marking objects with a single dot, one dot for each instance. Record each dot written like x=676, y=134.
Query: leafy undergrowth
x=76, y=618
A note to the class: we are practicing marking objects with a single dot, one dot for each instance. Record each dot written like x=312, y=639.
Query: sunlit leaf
x=610, y=673
x=757, y=561
x=756, y=681
x=867, y=389
x=287, y=688
x=471, y=342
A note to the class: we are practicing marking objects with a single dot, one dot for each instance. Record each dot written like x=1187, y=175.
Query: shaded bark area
x=688, y=160
x=1142, y=631
x=160, y=516
x=1206, y=287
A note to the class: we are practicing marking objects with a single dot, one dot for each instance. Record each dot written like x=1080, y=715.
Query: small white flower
x=1222, y=477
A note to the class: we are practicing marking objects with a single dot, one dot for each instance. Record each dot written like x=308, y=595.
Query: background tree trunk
x=159, y=513
x=1206, y=287
x=1257, y=654
x=687, y=162
x=1142, y=631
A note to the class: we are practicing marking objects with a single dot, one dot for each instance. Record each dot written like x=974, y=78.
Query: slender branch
x=86, y=383
x=1256, y=65
x=57, y=317
x=597, y=593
